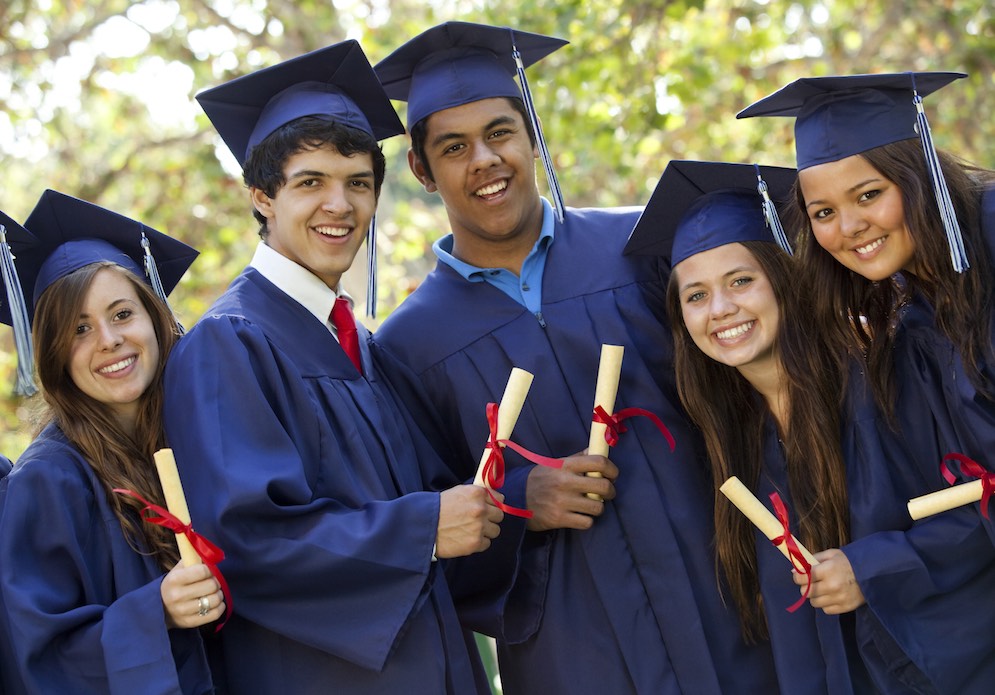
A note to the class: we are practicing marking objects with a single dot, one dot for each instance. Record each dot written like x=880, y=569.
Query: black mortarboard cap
x=336, y=82
x=698, y=206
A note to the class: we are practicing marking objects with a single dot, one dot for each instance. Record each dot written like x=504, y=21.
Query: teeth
x=332, y=231
x=492, y=189
x=735, y=332
x=870, y=247
x=118, y=366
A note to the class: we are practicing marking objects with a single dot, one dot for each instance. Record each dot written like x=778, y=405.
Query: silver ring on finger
x=204, y=606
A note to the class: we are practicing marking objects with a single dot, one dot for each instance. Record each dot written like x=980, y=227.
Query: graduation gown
x=630, y=605
x=813, y=652
x=307, y=475
x=926, y=626
x=81, y=609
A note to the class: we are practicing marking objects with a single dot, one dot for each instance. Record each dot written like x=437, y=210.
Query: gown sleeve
x=68, y=632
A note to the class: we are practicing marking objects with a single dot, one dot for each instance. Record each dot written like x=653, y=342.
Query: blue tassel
x=153, y=272
x=958, y=254
x=547, y=160
x=371, y=270
x=770, y=215
x=25, y=385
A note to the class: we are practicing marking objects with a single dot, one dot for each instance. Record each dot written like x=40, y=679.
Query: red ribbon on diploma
x=614, y=427
x=798, y=560
x=206, y=550
x=494, y=466
x=973, y=469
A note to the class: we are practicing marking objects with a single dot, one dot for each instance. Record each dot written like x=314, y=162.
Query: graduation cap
x=335, y=83
x=840, y=116
x=458, y=63
x=63, y=234
x=698, y=206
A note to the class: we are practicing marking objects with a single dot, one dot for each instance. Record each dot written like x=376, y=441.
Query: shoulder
x=51, y=462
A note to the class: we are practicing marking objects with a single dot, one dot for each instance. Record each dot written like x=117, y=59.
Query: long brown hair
x=119, y=460
x=732, y=416
x=861, y=316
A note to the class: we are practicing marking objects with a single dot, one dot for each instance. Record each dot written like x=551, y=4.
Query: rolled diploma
x=756, y=512
x=945, y=500
x=509, y=409
x=176, y=502
x=609, y=370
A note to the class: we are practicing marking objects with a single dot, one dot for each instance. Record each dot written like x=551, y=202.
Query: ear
x=262, y=202
x=418, y=169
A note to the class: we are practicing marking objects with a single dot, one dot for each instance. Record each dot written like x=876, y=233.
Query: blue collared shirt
x=525, y=289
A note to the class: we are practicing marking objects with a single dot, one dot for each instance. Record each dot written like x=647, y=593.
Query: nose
x=483, y=156
x=852, y=222
x=721, y=305
x=110, y=336
x=336, y=200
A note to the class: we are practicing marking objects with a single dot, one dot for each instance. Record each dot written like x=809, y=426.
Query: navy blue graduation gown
x=81, y=609
x=307, y=475
x=813, y=652
x=926, y=626
x=631, y=605
x=5, y=465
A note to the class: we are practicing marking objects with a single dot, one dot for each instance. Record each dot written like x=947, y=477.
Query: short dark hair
x=264, y=167
x=420, y=130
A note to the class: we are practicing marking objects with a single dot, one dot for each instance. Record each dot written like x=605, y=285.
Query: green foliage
x=641, y=82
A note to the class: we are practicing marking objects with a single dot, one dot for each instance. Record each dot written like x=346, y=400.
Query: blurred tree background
x=98, y=102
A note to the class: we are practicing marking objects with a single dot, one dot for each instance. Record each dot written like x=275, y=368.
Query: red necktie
x=342, y=318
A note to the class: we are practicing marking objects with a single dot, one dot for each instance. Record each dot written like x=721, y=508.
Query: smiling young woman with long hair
x=93, y=598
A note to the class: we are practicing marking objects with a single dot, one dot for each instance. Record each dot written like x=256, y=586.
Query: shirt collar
x=443, y=247
x=297, y=281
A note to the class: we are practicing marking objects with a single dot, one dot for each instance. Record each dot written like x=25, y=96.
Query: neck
x=769, y=381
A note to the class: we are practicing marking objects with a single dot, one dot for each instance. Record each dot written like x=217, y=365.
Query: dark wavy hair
x=119, y=459
x=732, y=417
x=264, y=167
x=420, y=130
x=861, y=317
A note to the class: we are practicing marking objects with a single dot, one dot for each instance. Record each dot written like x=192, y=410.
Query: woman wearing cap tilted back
x=766, y=402
x=898, y=239
x=85, y=605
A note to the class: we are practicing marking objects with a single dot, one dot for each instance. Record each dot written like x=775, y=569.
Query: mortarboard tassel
x=153, y=272
x=547, y=161
x=770, y=214
x=958, y=254
x=371, y=270
x=25, y=385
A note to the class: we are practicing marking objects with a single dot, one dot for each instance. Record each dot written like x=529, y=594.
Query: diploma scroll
x=509, y=409
x=176, y=502
x=761, y=517
x=945, y=500
x=609, y=371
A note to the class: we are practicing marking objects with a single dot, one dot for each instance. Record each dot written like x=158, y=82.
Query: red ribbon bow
x=798, y=560
x=973, y=469
x=614, y=427
x=205, y=549
x=493, y=472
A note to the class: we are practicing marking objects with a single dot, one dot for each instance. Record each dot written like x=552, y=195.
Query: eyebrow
x=737, y=269
x=315, y=174
x=498, y=121
x=873, y=179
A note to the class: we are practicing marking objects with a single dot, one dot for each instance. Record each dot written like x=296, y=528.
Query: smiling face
x=729, y=307
x=320, y=216
x=857, y=215
x=114, y=353
x=483, y=166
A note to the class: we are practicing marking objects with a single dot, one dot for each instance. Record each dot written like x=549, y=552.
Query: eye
x=499, y=133
x=453, y=148
x=308, y=183
x=123, y=314
x=82, y=329
x=822, y=214
x=694, y=297
x=361, y=183
x=869, y=195
x=742, y=281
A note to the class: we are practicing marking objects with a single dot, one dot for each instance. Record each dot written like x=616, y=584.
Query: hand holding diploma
x=605, y=392
x=979, y=490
